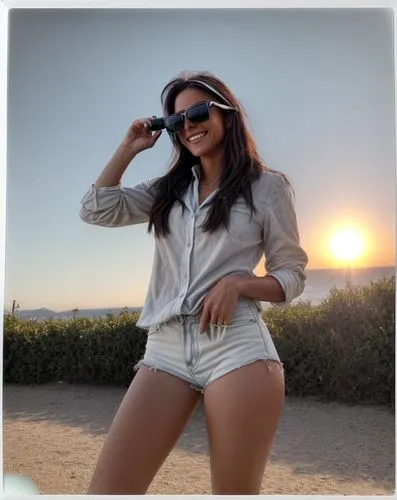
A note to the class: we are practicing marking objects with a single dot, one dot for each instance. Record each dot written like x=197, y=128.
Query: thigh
x=242, y=411
x=148, y=423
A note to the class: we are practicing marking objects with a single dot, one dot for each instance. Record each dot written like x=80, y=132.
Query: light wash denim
x=177, y=347
x=189, y=261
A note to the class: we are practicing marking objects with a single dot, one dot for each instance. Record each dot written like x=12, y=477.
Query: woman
x=214, y=213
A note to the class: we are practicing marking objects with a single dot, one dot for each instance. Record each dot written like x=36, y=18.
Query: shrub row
x=341, y=350
x=87, y=351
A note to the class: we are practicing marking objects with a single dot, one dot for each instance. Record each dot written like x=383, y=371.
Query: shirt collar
x=196, y=172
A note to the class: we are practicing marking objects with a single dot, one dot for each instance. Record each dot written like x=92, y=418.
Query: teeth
x=198, y=136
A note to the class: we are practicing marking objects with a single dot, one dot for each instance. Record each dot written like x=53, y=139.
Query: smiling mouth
x=196, y=138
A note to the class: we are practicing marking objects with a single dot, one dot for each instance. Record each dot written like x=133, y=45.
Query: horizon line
x=140, y=307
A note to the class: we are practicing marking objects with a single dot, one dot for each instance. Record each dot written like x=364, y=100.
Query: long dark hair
x=242, y=164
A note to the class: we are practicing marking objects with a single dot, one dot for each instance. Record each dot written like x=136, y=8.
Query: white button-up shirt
x=188, y=261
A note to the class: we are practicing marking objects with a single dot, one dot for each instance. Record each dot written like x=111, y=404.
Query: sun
x=347, y=245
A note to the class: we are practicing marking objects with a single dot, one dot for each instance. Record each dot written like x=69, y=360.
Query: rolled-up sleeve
x=285, y=258
x=118, y=206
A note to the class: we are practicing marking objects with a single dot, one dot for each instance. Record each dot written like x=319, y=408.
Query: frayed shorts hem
x=266, y=360
x=155, y=368
x=196, y=386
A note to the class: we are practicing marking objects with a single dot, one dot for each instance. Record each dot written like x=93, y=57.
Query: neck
x=211, y=168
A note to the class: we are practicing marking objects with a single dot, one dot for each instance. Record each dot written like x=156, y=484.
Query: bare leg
x=150, y=419
x=242, y=411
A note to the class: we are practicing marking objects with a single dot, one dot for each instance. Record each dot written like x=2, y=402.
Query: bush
x=90, y=351
x=341, y=350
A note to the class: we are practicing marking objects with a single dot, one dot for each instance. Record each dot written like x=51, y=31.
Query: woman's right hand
x=139, y=137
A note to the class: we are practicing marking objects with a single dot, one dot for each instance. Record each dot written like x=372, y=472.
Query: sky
x=318, y=87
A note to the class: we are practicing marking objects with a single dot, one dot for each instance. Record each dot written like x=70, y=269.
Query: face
x=213, y=129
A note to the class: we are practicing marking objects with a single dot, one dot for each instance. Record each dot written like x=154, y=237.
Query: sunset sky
x=318, y=89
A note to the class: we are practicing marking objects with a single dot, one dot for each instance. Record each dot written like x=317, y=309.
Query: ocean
x=318, y=284
x=320, y=281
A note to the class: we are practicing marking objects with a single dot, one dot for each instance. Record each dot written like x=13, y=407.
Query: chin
x=201, y=151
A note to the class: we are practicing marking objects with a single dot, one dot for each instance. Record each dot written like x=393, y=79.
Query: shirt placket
x=195, y=210
x=186, y=256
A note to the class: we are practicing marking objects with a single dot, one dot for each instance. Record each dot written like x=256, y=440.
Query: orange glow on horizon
x=371, y=247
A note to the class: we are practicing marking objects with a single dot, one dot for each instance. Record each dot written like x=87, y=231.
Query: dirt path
x=53, y=433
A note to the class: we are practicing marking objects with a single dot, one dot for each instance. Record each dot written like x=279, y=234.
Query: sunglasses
x=197, y=113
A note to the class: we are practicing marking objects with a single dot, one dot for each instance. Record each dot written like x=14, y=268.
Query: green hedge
x=341, y=350
x=90, y=351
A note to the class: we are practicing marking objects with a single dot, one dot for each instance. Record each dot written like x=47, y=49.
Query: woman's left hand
x=220, y=302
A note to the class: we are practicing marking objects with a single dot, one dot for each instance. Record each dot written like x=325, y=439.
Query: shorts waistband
x=181, y=318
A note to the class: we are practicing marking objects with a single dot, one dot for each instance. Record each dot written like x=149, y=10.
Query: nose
x=187, y=124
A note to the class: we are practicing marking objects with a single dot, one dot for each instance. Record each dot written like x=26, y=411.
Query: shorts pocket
x=231, y=330
x=243, y=315
x=268, y=341
x=242, y=322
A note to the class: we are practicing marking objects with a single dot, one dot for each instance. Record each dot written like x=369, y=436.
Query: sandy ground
x=53, y=433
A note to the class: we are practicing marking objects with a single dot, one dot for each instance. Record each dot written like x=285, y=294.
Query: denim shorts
x=177, y=347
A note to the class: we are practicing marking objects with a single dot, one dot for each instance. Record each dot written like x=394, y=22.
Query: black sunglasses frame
x=160, y=123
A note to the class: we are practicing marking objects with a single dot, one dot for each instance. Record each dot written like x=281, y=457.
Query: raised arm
x=108, y=204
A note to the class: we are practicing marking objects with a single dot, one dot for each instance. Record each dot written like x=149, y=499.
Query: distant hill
x=318, y=285
x=44, y=313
